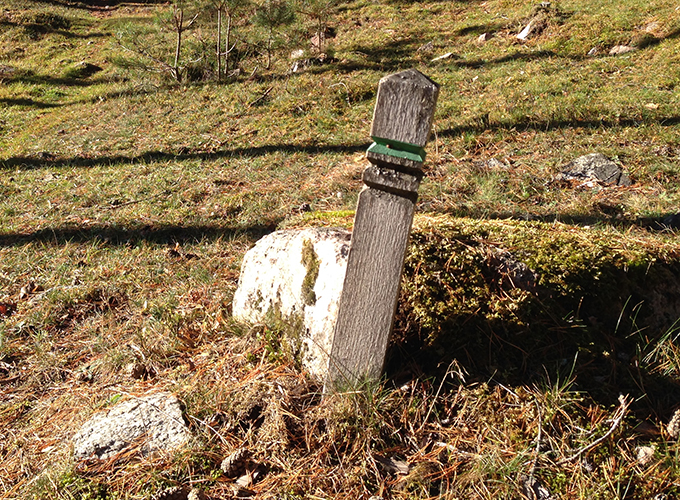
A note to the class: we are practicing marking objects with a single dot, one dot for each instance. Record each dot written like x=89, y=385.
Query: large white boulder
x=296, y=277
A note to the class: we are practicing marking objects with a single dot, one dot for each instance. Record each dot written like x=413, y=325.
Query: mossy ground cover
x=127, y=202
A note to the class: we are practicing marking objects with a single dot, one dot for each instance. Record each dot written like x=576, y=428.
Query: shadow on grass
x=115, y=235
x=159, y=156
x=483, y=124
x=36, y=79
x=392, y=56
x=28, y=103
x=37, y=30
x=479, y=29
x=94, y=4
x=515, y=56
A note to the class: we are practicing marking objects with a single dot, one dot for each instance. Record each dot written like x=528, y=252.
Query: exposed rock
x=428, y=47
x=297, y=54
x=153, y=422
x=511, y=273
x=296, y=276
x=235, y=464
x=594, y=167
x=534, y=490
x=490, y=164
x=645, y=454
x=484, y=37
x=673, y=427
x=172, y=493
x=527, y=31
x=617, y=50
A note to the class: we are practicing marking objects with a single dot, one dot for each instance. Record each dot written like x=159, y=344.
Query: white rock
x=528, y=29
x=645, y=454
x=154, y=422
x=296, y=276
x=621, y=49
x=297, y=54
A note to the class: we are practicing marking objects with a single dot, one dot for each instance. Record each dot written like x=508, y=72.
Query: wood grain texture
x=393, y=181
x=402, y=119
x=369, y=297
x=404, y=107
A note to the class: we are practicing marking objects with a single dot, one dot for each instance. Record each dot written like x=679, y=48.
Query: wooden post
x=401, y=127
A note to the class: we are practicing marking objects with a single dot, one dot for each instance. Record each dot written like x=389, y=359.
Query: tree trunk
x=179, y=25
x=269, y=48
x=219, y=44
x=227, y=50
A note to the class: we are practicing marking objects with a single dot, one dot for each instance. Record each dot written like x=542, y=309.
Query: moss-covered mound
x=513, y=300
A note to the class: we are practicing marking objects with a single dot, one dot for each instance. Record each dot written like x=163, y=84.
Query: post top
x=404, y=108
x=412, y=76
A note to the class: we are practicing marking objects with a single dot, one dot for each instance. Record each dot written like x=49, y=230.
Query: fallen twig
x=625, y=403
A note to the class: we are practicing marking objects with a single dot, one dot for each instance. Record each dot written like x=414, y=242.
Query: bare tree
x=225, y=9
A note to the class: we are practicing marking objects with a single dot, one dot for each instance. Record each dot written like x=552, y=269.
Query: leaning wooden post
x=401, y=127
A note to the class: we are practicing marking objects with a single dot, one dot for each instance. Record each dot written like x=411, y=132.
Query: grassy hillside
x=128, y=200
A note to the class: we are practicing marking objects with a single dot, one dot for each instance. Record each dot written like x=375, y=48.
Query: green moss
x=555, y=291
x=311, y=262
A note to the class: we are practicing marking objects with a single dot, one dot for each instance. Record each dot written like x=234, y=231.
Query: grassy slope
x=126, y=207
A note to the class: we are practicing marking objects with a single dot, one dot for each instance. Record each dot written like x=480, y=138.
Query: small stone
x=297, y=54
x=172, y=493
x=490, y=164
x=593, y=52
x=673, y=427
x=195, y=494
x=526, y=32
x=235, y=464
x=617, y=50
x=652, y=27
x=484, y=37
x=593, y=168
x=645, y=454
x=154, y=422
x=534, y=490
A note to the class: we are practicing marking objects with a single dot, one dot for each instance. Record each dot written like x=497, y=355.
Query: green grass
x=127, y=203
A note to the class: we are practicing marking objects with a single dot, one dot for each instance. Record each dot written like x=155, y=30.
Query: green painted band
x=397, y=149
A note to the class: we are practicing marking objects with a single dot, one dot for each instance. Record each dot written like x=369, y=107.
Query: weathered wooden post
x=401, y=127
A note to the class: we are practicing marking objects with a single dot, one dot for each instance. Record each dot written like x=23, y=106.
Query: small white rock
x=297, y=54
x=645, y=454
x=673, y=427
x=617, y=50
